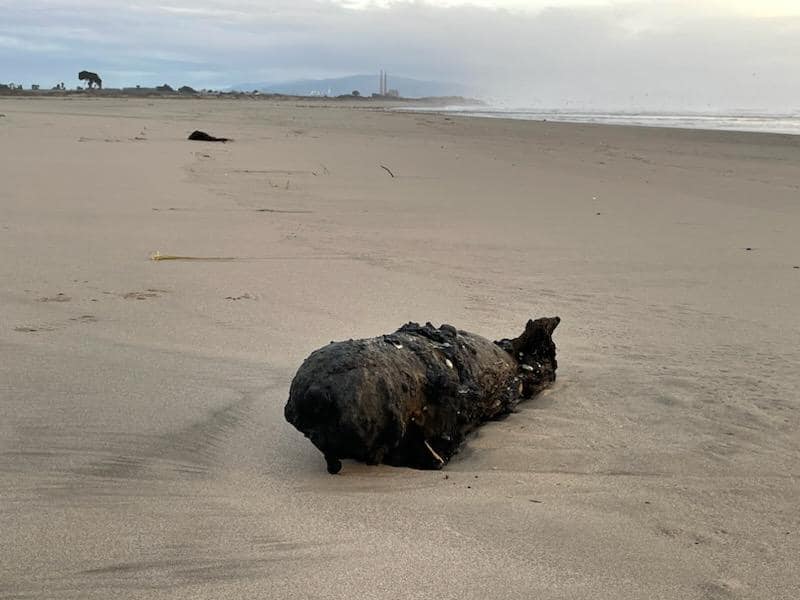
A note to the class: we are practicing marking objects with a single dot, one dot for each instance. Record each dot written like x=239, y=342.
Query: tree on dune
x=92, y=79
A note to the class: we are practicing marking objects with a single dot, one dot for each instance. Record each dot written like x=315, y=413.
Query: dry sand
x=143, y=451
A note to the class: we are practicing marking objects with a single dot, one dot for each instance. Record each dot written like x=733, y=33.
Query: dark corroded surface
x=411, y=397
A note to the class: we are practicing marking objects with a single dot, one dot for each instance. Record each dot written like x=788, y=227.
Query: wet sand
x=143, y=451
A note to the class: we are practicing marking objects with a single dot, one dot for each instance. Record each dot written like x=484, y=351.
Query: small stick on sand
x=158, y=256
x=435, y=455
x=387, y=170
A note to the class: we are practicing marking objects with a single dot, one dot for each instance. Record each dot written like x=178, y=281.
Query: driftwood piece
x=202, y=136
x=411, y=397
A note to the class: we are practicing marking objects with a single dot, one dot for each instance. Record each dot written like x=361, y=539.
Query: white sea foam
x=788, y=123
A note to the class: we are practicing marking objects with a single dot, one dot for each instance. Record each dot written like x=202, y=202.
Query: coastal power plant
x=383, y=86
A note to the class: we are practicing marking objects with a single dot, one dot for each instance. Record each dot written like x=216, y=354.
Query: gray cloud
x=636, y=55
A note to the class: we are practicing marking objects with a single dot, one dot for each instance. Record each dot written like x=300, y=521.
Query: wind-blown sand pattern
x=143, y=451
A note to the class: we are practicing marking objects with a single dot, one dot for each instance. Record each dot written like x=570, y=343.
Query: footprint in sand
x=55, y=326
x=722, y=588
x=32, y=329
x=145, y=295
x=85, y=319
x=242, y=297
x=139, y=295
x=57, y=298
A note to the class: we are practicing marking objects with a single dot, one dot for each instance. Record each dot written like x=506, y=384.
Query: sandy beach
x=143, y=449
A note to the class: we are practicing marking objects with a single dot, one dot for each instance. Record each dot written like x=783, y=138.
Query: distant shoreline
x=153, y=93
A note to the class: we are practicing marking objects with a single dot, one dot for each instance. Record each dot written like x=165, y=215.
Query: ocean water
x=788, y=123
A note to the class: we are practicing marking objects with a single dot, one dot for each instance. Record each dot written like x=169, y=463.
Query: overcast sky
x=681, y=54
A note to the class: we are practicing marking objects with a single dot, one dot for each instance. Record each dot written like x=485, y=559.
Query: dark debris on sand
x=411, y=397
x=202, y=136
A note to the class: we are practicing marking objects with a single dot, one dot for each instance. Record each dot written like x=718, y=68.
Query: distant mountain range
x=365, y=84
